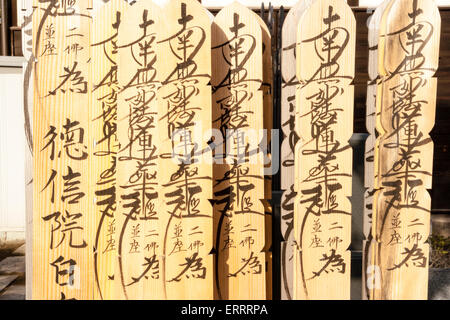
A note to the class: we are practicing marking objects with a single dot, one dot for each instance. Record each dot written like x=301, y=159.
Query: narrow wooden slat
x=290, y=138
x=184, y=106
x=62, y=206
x=138, y=273
x=323, y=158
x=408, y=59
x=103, y=116
x=239, y=182
x=27, y=49
x=370, y=272
x=267, y=88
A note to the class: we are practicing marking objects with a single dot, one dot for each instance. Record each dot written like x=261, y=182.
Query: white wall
x=12, y=151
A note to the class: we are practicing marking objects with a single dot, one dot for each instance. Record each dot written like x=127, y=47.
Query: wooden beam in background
x=4, y=30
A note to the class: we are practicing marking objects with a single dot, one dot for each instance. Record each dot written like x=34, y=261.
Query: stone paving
x=12, y=275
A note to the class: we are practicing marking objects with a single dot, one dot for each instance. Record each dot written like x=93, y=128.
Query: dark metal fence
x=5, y=8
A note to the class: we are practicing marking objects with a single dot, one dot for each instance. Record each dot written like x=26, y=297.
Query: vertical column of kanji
x=370, y=273
x=290, y=139
x=63, y=209
x=408, y=60
x=323, y=157
x=239, y=182
x=103, y=116
x=139, y=179
x=184, y=103
x=267, y=87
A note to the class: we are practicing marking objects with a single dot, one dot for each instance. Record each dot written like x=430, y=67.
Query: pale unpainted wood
x=408, y=60
x=26, y=13
x=267, y=88
x=184, y=120
x=369, y=279
x=103, y=116
x=139, y=233
x=289, y=85
x=61, y=45
x=239, y=213
x=378, y=101
x=27, y=76
x=290, y=138
x=323, y=158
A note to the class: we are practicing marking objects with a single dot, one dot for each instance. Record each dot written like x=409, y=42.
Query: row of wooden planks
x=316, y=161
x=151, y=178
x=128, y=115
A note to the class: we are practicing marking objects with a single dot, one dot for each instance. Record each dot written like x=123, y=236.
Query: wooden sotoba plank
x=267, y=88
x=139, y=176
x=238, y=182
x=323, y=158
x=408, y=59
x=26, y=14
x=369, y=271
x=290, y=138
x=184, y=104
x=103, y=117
x=62, y=206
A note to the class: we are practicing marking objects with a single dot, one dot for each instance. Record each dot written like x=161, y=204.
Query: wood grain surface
x=408, y=59
x=186, y=172
x=103, y=117
x=323, y=157
x=238, y=109
x=369, y=274
x=62, y=206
